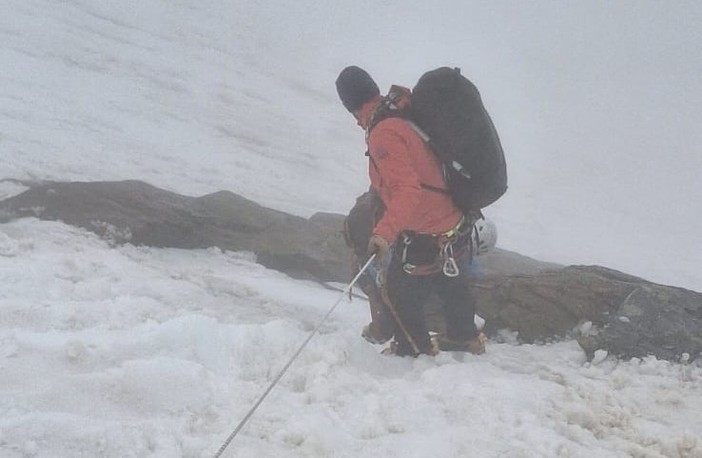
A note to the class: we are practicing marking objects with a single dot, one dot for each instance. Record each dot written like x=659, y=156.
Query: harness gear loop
x=446, y=250
x=460, y=229
x=450, y=268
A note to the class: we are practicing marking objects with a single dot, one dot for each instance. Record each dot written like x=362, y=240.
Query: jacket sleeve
x=400, y=181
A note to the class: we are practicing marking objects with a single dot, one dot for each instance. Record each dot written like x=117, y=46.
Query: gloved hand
x=379, y=246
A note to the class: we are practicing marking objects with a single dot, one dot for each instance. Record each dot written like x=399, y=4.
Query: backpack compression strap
x=427, y=140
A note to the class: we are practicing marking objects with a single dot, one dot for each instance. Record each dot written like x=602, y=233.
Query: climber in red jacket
x=420, y=222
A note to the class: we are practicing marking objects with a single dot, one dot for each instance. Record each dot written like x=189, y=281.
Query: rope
x=285, y=368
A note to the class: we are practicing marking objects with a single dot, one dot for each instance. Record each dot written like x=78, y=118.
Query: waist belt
x=460, y=228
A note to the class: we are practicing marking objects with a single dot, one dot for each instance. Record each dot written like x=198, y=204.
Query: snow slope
x=127, y=351
x=149, y=352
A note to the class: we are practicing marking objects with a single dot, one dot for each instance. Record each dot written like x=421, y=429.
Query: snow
x=131, y=351
x=134, y=351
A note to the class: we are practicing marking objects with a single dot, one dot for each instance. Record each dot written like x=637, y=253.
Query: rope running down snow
x=285, y=368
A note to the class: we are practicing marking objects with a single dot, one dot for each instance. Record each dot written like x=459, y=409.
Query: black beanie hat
x=355, y=87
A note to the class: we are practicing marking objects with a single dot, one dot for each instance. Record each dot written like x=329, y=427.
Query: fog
x=135, y=351
x=597, y=105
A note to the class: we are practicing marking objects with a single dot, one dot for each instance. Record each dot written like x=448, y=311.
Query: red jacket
x=400, y=163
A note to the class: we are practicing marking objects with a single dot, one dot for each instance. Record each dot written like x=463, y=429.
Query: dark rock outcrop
x=605, y=309
x=630, y=317
x=652, y=320
x=138, y=213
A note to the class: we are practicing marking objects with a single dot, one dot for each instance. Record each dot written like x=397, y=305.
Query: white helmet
x=484, y=236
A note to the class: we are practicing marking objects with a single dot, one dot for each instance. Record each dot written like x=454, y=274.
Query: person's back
x=403, y=170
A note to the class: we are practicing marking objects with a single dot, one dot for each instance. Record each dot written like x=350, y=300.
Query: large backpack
x=451, y=118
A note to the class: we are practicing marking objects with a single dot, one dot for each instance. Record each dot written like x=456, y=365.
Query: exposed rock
x=138, y=213
x=652, y=320
x=553, y=302
x=630, y=317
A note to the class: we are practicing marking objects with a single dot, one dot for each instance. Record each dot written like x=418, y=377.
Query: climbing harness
x=447, y=247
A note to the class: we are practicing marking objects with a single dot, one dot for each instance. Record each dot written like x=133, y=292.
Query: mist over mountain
x=596, y=105
x=136, y=351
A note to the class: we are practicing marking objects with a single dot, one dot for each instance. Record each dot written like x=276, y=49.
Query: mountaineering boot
x=433, y=348
x=394, y=349
x=390, y=350
x=476, y=345
x=376, y=334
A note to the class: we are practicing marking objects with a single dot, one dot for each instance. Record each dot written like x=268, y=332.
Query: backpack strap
x=425, y=137
x=386, y=109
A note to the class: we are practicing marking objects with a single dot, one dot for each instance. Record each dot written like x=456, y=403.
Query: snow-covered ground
x=149, y=352
x=128, y=351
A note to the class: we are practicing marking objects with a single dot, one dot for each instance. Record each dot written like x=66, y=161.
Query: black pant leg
x=459, y=305
x=408, y=295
